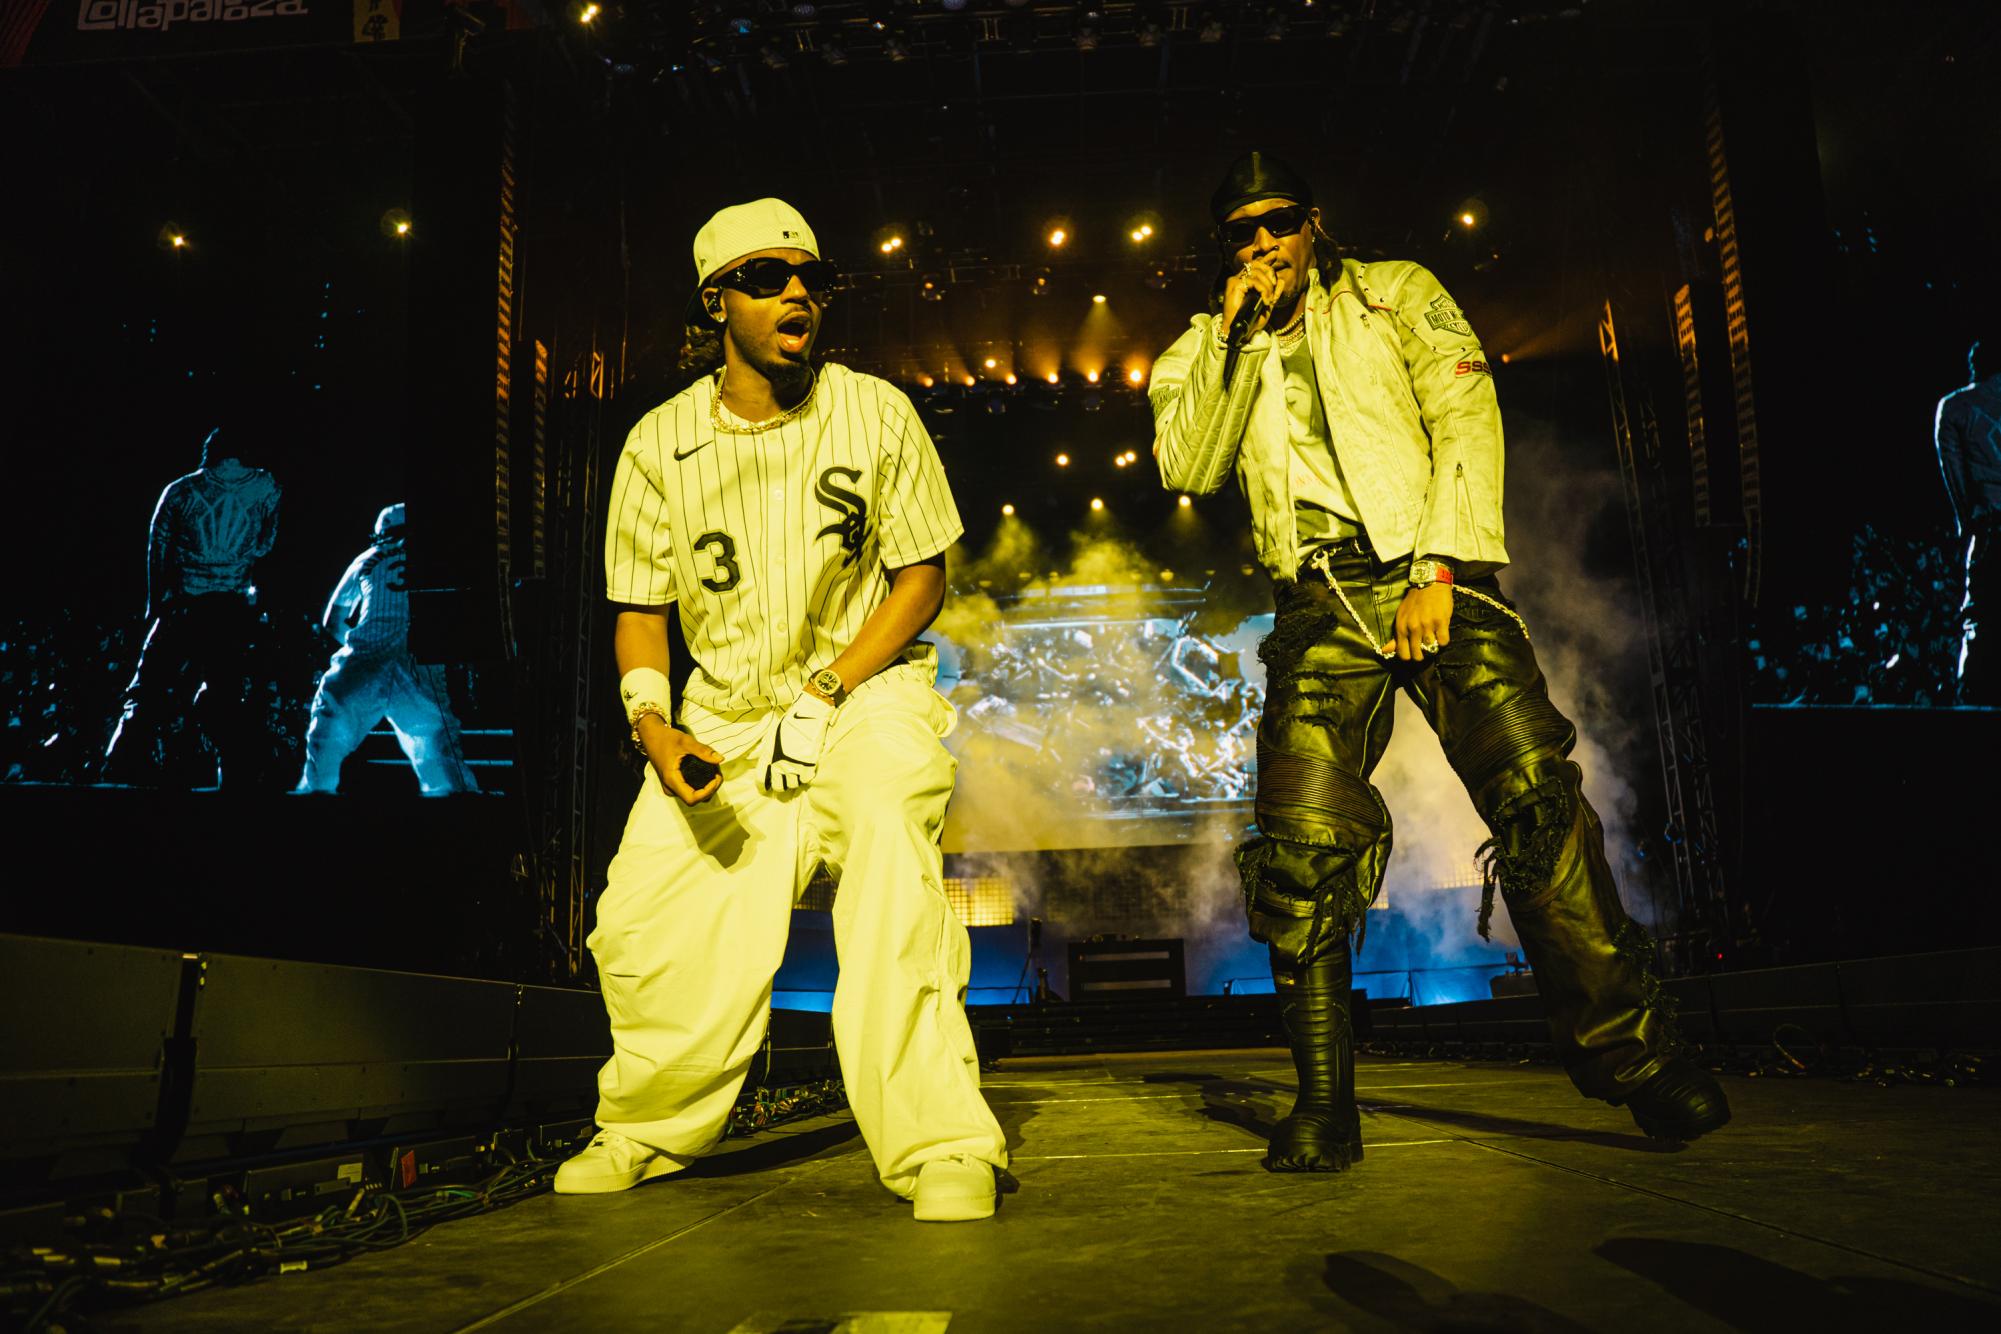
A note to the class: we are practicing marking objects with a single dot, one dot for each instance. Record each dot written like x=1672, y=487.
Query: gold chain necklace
x=755, y=428
x=1288, y=337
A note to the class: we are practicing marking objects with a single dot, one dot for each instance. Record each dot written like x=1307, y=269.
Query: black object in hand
x=696, y=771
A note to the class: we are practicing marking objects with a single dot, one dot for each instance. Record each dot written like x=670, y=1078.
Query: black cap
x=1256, y=176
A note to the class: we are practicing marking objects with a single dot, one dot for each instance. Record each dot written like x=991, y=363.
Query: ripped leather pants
x=1324, y=833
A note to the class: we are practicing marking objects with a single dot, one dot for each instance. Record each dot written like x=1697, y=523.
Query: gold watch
x=827, y=682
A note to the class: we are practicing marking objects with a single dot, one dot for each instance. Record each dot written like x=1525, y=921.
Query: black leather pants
x=1324, y=833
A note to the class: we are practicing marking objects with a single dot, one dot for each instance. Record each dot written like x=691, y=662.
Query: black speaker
x=1127, y=970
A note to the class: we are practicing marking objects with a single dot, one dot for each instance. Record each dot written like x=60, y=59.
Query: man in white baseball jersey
x=373, y=677
x=799, y=519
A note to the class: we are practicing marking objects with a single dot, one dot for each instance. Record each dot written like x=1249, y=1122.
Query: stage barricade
x=561, y=1037
x=83, y=1050
x=289, y=1054
x=1752, y=1007
x=1954, y=999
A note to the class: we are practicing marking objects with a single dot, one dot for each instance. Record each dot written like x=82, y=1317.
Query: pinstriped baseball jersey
x=776, y=545
x=371, y=602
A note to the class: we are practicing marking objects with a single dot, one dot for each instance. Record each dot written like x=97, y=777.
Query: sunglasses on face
x=1280, y=222
x=769, y=276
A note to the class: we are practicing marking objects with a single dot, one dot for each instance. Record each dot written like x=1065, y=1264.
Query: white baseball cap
x=762, y=224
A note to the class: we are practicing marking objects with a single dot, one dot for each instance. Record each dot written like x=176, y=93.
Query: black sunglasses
x=1280, y=222
x=768, y=276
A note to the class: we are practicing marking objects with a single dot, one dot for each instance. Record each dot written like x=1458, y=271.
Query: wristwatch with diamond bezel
x=1425, y=573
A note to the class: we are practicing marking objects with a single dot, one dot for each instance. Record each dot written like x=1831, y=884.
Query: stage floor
x=1492, y=1198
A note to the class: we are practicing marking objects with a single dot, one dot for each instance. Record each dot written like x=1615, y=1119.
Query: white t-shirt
x=776, y=545
x=1325, y=509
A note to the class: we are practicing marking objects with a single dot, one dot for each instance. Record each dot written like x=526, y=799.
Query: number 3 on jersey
x=720, y=548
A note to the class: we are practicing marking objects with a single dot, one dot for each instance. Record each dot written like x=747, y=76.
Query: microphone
x=1247, y=315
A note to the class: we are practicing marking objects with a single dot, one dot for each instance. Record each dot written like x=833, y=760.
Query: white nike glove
x=792, y=752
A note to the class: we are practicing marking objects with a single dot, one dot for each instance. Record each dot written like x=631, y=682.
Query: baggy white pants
x=358, y=692
x=693, y=922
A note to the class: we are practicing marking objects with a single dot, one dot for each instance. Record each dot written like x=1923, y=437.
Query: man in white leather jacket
x=1357, y=410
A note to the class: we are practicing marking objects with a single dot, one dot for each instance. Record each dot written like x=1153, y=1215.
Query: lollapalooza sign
x=164, y=15
x=50, y=32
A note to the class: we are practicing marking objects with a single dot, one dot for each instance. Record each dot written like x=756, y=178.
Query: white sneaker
x=611, y=1163
x=954, y=1190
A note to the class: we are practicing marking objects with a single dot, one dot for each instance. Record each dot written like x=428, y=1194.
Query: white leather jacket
x=1410, y=404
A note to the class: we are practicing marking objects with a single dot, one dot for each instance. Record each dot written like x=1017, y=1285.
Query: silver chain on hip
x=1322, y=561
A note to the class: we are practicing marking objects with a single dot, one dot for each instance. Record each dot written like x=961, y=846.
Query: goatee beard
x=789, y=380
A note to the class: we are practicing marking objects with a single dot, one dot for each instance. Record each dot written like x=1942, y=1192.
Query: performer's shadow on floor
x=772, y=1148
x=1749, y=1292
x=1488, y=1124
x=1411, y=1297
x=1251, y=1105
x=1248, y=1105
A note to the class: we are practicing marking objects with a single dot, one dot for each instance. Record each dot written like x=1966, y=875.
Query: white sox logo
x=853, y=523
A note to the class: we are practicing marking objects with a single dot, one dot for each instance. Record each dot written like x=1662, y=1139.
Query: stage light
x=1008, y=510
x=1465, y=219
x=1062, y=460
x=1504, y=358
x=1092, y=376
x=588, y=13
x=177, y=241
x=926, y=381
x=969, y=382
x=1053, y=377
x=1096, y=504
x=1136, y=376
x=1185, y=502
x=1058, y=237
x=1118, y=460
x=990, y=363
x=402, y=229
x=1010, y=377
x=1098, y=299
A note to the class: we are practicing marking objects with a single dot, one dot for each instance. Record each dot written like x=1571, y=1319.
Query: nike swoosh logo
x=678, y=455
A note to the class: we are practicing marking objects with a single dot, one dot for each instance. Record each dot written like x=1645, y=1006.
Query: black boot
x=1679, y=1102
x=1323, y=1133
